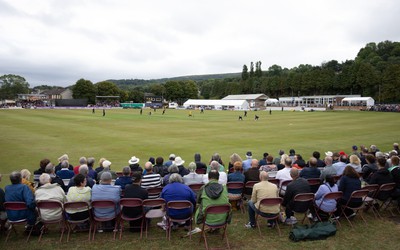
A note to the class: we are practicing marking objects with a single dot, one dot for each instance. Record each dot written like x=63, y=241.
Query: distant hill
x=127, y=83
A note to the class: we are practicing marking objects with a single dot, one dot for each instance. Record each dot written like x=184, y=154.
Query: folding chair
x=78, y=206
x=302, y=204
x=237, y=186
x=283, y=187
x=132, y=203
x=314, y=184
x=383, y=198
x=196, y=187
x=16, y=206
x=369, y=200
x=248, y=189
x=267, y=202
x=179, y=205
x=329, y=196
x=154, y=192
x=155, y=209
x=274, y=181
x=216, y=209
x=356, y=195
x=43, y=207
x=104, y=204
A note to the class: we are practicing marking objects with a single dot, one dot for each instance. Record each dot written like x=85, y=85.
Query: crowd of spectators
x=385, y=108
x=86, y=182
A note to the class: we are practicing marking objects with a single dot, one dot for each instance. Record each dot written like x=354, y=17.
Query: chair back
x=217, y=209
x=250, y=184
x=154, y=207
x=314, y=181
x=302, y=202
x=154, y=191
x=152, y=203
x=387, y=187
x=359, y=194
x=271, y=201
x=235, y=185
x=49, y=204
x=178, y=205
x=384, y=191
x=333, y=196
x=196, y=187
x=305, y=197
x=15, y=205
x=274, y=181
x=372, y=189
x=76, y=205
x=131, y=202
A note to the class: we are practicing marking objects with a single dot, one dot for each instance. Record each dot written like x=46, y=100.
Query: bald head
x=294, y=173
x=263, y=176
x=254, y=163
x=148, y=166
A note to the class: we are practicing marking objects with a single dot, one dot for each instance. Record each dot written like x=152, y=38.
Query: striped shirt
x=150, y=181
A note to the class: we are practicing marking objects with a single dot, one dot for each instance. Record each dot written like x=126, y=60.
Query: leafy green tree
x=12, y=85
x=245, y=73
x=251, y=70
x=84, y=89
x=258, y=72
x=106, y=88
x=390, y=89
x=157, y=89
x=136, y=95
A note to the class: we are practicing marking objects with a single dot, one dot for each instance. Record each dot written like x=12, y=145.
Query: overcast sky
x=57, y=42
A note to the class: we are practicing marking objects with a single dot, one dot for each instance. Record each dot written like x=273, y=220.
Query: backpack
x=317, y=231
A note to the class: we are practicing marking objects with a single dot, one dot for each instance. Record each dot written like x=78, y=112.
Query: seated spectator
x=179, y=163
x=349, y=183
x=380, y=177
x=261, y=190
x=216, y=157
x=100, y=167
x=92, y=173
x=79, y=192
x=82, y=170
x=54, y=178
x=41, y=170
x=253, y=174
x=107, y=168
x=320, y=163
x=298, y=162
x=369, y=168
x=284, y=175
x=171, y=158
x=340, y=165
x=223, y=178
x=105, y=191
x=192, y=177
x=160, y=168
x=3, y=215
x=263, y=161
x=150, y=179
x=64, y=172
x=236, y=176
x=328, y=169
x=299, y=185
x=62, y=158
x=50, y=191
x=171, y=170
x=355, y=163
x=312, y=171
x=26, y=176
x=233, y=158
x=134, y=190
x=82, y=161
x=329, y=186
x=125, y=179
x=177, y=191
x=278, y=159
x=134, y=165
x=248, y=162
x=281, y=163
x=212, y=193
x=395, y=170
x=20, y=192
x=199, y=163
x=269, y=166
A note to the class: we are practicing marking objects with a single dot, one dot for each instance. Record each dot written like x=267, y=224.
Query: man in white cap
x=107, y=168
x=134, y=164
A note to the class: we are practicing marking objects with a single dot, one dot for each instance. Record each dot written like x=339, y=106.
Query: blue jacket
x=123, y=181
x=177, y=191
x=21, y=192
x=236, y=177
x=348, y=185
x=106, y=192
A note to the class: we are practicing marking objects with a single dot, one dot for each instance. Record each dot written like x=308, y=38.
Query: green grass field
x=27, y=136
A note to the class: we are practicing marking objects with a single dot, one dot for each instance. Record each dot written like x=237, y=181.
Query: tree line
x=374, y=72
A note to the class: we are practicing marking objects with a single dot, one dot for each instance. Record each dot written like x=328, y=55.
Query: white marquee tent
x=217, y=104
x=358, y=101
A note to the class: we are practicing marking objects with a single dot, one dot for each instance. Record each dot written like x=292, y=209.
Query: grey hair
x=126, y=171
x=105, y=176
x=49, y=168
x=64, y=164
x=90, y=161
x=84, y=169
x=214, y=165
x=175, y=178
x=44, y=178
x=173, y=169
x=192, y=167
x=82, y=160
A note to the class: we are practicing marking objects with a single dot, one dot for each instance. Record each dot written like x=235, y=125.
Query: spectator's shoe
x=351, y=215
x=249, y=225
x=291, y=221
x=162, y=225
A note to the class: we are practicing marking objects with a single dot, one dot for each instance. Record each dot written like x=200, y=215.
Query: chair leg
x=94, y=230
x=277, y=226
x=41, y=233
x=226, y=236
x=121, y=228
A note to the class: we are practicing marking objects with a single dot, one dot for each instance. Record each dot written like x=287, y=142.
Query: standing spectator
x=125, y=179
x=261, y=190
x=20, y=192
x=50, y=191
x=192, y=177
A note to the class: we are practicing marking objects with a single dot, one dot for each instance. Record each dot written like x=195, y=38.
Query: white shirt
x=223, y=178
